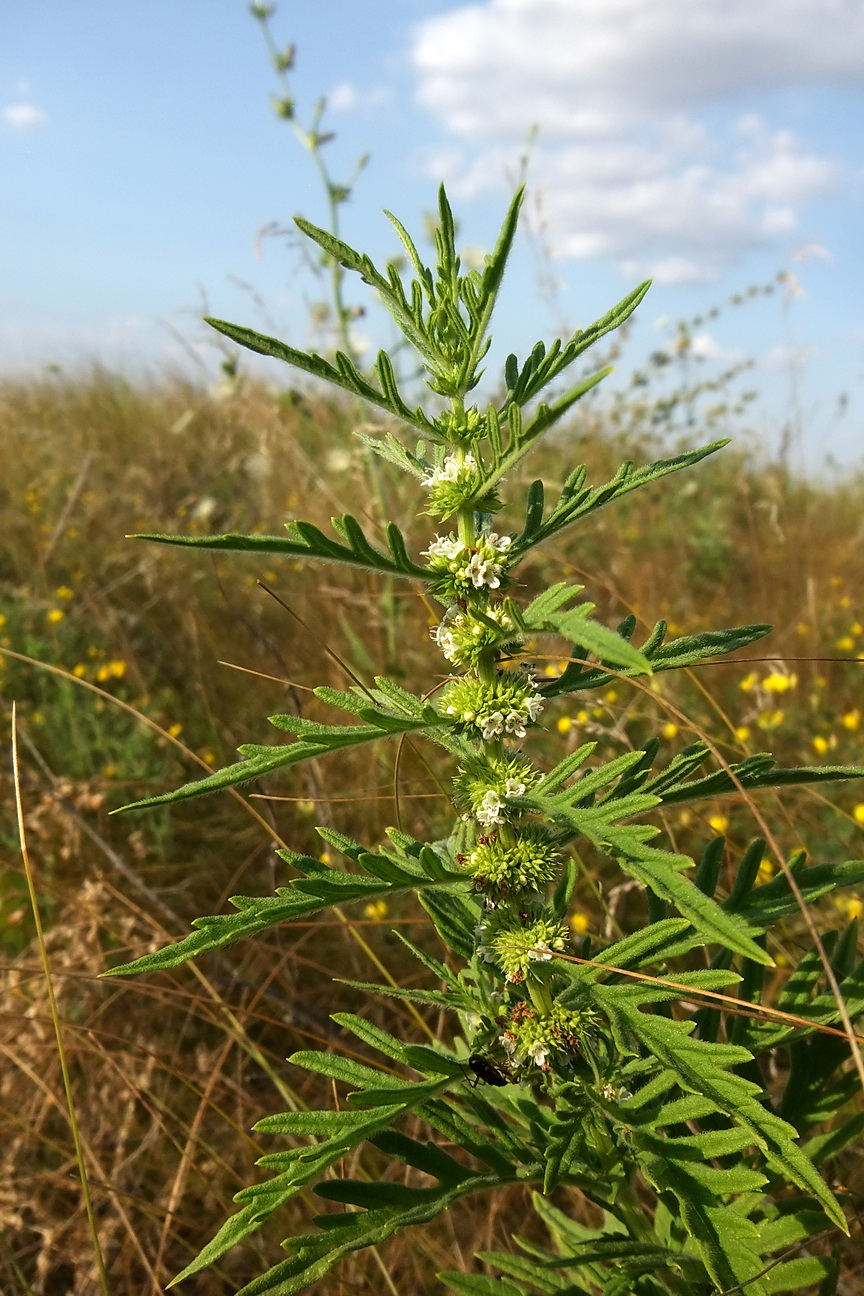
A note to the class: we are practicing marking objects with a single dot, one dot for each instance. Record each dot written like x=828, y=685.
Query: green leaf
x=541, y=367
x=307, y=541
x=455, y=918
x=304, y=898
x=686, y=651
x=757, y=772
x=659, y=870
x=700, y=1067
x=578, y=500
x=315, y=740
x=729, y=1244
x=479, y=1285
x=594, y=637
x=344, y=374
x=263, y=1199
x=315, y=1254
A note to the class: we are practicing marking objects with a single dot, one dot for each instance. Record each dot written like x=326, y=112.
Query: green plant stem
x=311, y=140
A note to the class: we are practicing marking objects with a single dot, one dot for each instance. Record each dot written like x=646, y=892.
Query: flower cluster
x=528, y=1037
x=457, y=569
x=507, y=705
x=469, y=425
x=515, y=944
x=463, y=637
x=455, y=483
x=484, y=783
x=490, y=811
x=530, y=863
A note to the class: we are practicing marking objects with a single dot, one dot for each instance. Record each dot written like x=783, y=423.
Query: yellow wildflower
x=844, y=602
x=770, y=719
x=610, y=695
x=64, y=592
x=781, y=960
x=579, y=923
x=854, y=907
x=563, y=724
x=820, y=745
x=856, y=628
x=2, y=619
x=376, y=910
x=777, y=682
x=175, y=730
x=109, y=771
x=851, y=719
x=802, y=628
x=845, y=643
x=55, y=615
x=208, y=758
x=749, y=682
x=766, y=871
x=669, y=730
x=718, y=823
x=836, y=581
x=117, y=669
x=581, y=716
x=742, y=733
x=325, y=857
x=858, y=813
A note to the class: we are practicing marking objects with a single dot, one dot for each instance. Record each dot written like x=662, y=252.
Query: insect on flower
x=486, y=1072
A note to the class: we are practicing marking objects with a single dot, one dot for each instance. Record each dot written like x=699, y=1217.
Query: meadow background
x=112, y=650
x=115, y=653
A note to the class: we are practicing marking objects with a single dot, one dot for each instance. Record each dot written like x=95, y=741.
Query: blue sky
x=708, y=144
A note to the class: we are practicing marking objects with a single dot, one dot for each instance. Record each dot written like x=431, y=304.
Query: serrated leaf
x=307, y=541
x=699, y=1066
x=686, y=651
x=306, y=897
x=577, y=500
x=262, y=1200
x=343, y=374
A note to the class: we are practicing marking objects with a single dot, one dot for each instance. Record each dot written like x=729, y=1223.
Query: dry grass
x=170, y=1072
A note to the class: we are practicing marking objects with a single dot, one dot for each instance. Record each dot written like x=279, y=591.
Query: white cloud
x=346, y=97
x=632, y=167
x=23, y=116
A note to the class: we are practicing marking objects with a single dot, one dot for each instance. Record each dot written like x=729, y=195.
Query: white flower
x=449, y=547
x=445, y=640
x=489, y=810
x=491, y=725
x=450, y=469
x=513, y=788
x=480, y=571
x=515, y=724
x=540, y=953
x=501, y=543
x=508, y=1043
x=539, y=1052
x=533, y=706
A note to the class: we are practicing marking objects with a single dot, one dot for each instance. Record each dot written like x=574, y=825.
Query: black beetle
x=486, y=1071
